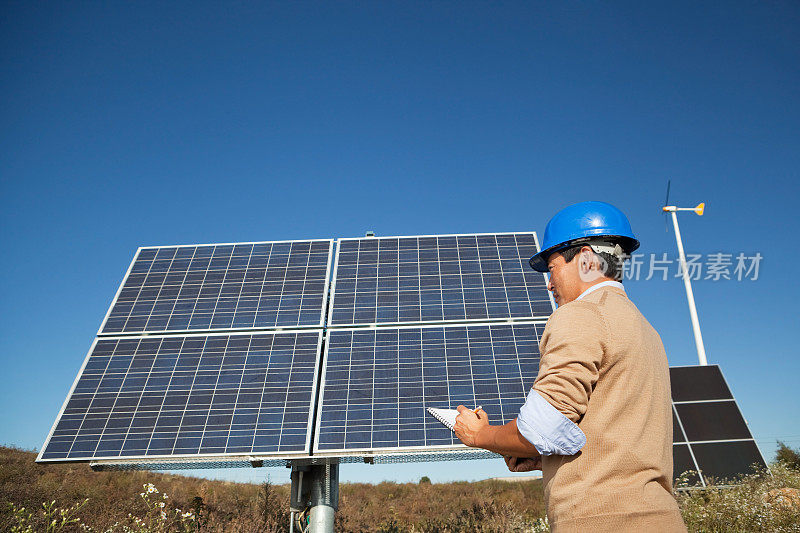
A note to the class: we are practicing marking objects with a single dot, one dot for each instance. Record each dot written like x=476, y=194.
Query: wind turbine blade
x=666, y=203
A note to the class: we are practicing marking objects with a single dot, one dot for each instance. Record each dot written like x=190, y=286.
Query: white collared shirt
x=593, y=288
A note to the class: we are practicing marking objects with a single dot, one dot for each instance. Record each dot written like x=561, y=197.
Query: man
x=598, y=420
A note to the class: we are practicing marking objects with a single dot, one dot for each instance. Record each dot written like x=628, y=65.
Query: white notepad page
x=445, y=416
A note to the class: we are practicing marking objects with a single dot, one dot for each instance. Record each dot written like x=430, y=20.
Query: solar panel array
x=378, y=382
x=710, y=436
x=214, y=351
x=197, y=386
x=226, y=286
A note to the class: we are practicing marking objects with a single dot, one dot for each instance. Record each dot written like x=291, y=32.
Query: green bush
x=788, y=456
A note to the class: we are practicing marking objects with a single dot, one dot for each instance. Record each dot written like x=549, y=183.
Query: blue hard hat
x=581, y=222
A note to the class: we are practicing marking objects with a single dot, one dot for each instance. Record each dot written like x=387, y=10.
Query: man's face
x=565, y=280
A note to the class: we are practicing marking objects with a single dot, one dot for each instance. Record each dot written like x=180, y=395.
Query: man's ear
x=589, y=267
x=586, y=260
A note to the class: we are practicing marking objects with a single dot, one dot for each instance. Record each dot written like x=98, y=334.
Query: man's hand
x=469, y=424
x=523, y=464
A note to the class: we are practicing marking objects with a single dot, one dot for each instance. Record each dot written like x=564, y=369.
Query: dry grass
x=486, y=506
x=759, y=502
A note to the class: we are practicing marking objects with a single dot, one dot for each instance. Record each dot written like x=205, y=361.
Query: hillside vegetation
x=241, y=507
x=77, y=499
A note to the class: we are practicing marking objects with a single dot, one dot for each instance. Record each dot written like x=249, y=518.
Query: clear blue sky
x=128, y=124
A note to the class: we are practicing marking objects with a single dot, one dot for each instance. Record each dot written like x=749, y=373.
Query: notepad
x=446, y=416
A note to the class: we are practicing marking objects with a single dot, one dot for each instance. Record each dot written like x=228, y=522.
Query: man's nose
x=550, y=285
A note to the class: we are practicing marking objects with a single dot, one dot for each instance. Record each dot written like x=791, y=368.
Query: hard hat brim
x=539, y=261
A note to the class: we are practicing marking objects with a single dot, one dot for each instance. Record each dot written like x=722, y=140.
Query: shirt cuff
x=550, y=432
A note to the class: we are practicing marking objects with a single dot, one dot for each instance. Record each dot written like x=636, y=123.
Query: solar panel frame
x=412, y=453
x=152, y=460
x=323, y=310
x=724, y=395
x=332, y=299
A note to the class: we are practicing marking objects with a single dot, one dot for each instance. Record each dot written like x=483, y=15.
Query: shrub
x=788, y=456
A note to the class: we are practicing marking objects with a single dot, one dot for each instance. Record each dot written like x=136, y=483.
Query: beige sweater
x=604, y=367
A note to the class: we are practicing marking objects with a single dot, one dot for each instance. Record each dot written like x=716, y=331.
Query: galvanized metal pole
x=320, y=519
x=315, y=491
x=698, y=337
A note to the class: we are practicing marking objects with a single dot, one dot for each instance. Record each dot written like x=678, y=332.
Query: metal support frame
x=314, y=496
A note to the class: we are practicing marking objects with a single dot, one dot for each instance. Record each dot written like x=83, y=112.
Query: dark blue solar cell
x=379, y=382
x=190, y=394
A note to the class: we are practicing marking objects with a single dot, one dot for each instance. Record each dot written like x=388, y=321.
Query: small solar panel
x=223, y=287
x=710, y=435
x=377, y=384
x=190, y=395
x=396, y=280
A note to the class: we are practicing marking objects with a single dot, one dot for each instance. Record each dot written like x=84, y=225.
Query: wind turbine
x=698, y=337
